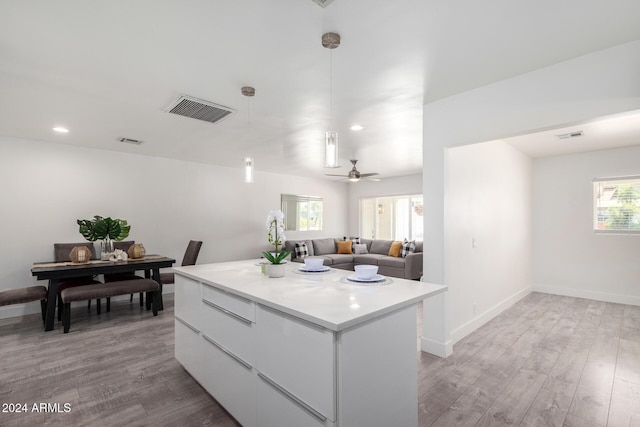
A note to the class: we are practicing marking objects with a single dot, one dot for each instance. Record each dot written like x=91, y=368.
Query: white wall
x=581, y=89
x=569, y=258
x=489, y=206
x=409, y=184
x=46, y=187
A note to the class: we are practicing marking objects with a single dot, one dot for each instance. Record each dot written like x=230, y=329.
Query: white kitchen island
x=302, y=350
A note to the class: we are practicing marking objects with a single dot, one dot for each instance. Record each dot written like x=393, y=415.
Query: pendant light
x=248, y=161
x=331, y=41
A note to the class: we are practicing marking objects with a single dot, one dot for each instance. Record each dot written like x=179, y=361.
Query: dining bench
x=23, y=295
x=107, y=290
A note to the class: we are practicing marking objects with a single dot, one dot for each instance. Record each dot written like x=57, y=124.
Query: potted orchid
x=275, y=234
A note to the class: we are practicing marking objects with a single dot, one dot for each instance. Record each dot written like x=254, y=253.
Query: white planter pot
x=275, y=270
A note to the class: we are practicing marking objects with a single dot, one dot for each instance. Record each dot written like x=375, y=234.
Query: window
x=392, y=218
x=616, y=204
x=302, y=213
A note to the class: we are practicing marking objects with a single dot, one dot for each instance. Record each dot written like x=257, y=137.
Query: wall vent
x=130, y=141
x=195, y=108
x=570, y=135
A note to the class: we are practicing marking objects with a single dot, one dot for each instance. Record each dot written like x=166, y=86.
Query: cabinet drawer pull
x=188, y=325
x=227, y=352
x=227, y=312
x=292, y=397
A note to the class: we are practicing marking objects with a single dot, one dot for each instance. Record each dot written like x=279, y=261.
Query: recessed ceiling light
x=60, y=129
x=356, y=127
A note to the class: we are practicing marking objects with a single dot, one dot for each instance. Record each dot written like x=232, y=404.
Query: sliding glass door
x=392, y=218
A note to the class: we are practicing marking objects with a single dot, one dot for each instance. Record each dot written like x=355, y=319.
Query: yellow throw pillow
x=395, y=249
x=344, y=247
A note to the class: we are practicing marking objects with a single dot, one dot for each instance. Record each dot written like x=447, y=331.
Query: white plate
x=321, y=270
x=383, y=282
x=374, y=278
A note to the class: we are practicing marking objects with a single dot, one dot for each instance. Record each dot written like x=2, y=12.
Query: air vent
x=322, y=3
x=570, y=135
x=195, y=108
x=130, y=141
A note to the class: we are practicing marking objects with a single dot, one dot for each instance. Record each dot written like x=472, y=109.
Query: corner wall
x=595, y=85
x=569, y=258
x=488, y=224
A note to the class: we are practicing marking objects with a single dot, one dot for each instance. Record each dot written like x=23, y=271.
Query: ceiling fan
x=355, y=175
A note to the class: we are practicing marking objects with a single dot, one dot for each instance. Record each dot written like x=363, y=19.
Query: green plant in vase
x=275, y=233
x=106, y=229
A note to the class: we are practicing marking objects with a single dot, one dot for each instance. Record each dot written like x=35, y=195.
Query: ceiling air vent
x=322, y=3
x=570, y=135
x=130, y=141
x=195, y=108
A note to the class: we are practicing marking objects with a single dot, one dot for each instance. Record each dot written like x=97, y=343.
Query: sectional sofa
x=377, y=253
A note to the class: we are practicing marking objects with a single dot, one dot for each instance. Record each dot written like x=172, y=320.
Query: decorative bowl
x=311, y=263
x=365, y=271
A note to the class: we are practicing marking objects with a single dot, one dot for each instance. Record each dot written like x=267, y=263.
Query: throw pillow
x=408, y=247
x=360, y=248
x=395, y=249
x=344, y=247
x=301, y=250
x=356, y=241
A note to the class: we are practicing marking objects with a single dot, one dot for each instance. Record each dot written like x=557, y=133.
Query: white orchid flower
x=275, y=233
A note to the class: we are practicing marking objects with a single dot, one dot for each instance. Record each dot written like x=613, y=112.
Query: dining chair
x=190, y=257
x=123, y=245
x=61, y=253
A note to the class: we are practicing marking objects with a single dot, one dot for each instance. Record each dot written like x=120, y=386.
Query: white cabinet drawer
x=277, y=408
x=233, y=332
x=231, y=382
x=187, y=347
x=227, y=301
x=298, y=356
x=187, y=299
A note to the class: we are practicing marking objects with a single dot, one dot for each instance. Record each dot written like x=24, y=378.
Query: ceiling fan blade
x=364, y=175
x=374, y=179
x=331, y=174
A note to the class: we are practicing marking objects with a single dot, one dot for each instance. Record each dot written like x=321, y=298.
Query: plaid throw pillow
x=301, y=250
x=408, y=247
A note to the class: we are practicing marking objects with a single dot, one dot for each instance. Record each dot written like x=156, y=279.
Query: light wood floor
x=549, y=360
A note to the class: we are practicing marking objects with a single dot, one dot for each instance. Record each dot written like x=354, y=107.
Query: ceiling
x=110, y=69
x=621, y=130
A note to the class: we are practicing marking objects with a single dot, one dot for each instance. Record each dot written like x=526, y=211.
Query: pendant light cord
x=331, y=89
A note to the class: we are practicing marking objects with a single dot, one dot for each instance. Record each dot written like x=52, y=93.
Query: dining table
x=56, y=272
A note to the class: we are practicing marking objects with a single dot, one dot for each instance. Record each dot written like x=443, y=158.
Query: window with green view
x=617, y=204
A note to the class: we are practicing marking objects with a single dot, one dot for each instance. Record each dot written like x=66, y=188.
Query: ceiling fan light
x=354, y=179
x=331, y=149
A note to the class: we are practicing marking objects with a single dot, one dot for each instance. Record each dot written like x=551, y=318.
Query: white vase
x=275, y=270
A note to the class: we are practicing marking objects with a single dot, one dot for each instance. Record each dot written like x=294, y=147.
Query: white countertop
x=319, y=298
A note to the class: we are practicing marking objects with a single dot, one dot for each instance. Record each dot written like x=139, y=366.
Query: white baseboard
x=436, y=348
x=588, y=294
x=19, y=310
x=465, y=329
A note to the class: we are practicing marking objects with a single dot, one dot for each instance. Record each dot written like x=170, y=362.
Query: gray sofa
x=409, y=267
